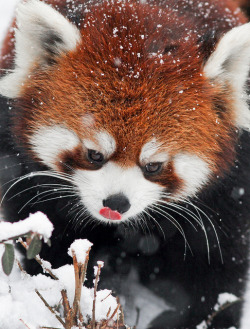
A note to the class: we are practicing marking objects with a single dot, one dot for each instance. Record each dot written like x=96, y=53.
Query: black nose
x=118, y=202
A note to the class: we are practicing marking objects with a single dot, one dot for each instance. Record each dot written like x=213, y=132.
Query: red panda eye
x=95, y=157
x=153, y=167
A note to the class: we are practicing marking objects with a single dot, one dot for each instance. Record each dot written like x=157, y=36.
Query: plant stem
x=49, y=307
x=221, y=308
x=95, y=292
x=80, y=272
x=15, y=237
x=39, y=260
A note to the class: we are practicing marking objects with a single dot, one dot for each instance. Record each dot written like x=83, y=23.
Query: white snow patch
x=225, y=298
x=136, y=296
x=103, y=303
x=80, y=247
x=37, y=223
x=100, y=263
x=19, y=300
x=202, y=325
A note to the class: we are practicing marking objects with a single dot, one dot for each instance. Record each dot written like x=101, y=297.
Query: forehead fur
x=153, y=151
x=102, y=141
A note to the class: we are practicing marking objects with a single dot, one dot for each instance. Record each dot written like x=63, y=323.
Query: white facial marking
x=149, y=153
x=36, y=21
x=49, y=142
x=107, y=142
x=193, y=170
x=89, y=144
x=96, y=186
x=148, y=150
x=103, y=143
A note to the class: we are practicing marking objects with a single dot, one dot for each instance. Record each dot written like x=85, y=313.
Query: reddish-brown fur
x=137, y=97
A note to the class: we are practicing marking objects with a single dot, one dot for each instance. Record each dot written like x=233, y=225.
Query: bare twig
x=68, y=313
x=39, y=260
x=16, y=237
x=73, y=316
x=108, y=312
x=106, y=296
x=66, y=305
x=21, y=268
x=117, y=320
x=220, y=309
x=121, y=315
x=95, y=292
x=114, y=313
x=50, y=308
x=80, y=272
x=24, y=324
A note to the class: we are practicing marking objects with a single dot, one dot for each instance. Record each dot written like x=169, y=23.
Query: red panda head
x=126, y=109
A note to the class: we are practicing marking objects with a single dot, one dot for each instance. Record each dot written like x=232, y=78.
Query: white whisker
x=35, y=174
x=175, y=223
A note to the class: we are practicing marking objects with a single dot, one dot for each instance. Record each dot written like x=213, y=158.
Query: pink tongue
x=110, y=214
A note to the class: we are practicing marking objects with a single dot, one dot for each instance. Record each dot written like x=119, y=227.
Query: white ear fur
x=42, y=33
x=229, y=65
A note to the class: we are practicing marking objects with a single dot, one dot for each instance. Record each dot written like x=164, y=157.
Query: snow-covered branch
x=35, y=223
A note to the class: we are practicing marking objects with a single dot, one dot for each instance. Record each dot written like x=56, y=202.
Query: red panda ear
x=42, y=34
x=229, y=66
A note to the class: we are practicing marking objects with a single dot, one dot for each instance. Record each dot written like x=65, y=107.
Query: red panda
x=140, y=109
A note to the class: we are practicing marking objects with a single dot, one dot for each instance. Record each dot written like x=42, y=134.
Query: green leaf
x=8, y=258
x=34, y=247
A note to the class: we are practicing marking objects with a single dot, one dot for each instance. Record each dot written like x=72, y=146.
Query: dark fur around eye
x=69, y=161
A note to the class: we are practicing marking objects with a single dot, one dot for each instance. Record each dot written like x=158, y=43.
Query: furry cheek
x=48, y=142
x=194, y=172
x=96, y=186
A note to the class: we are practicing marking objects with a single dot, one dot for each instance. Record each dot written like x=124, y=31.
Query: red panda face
x=159, y=142
x=130, y=122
